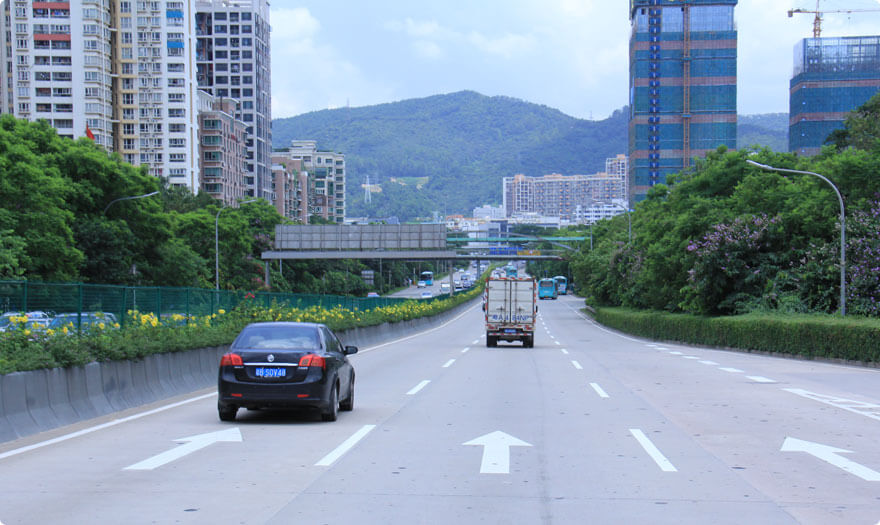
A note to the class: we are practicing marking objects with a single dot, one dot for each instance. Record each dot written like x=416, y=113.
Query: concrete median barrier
x=39, y=400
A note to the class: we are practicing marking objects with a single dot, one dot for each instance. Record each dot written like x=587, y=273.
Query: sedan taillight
x=312, y=360
x=231, y=360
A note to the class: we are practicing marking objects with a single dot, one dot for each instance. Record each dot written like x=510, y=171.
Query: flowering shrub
x=145, y=333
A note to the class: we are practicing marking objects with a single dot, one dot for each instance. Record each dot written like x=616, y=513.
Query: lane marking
x=577, y=365
x=564, y=351
x=731, y=370
x=189, y=445
x=346, y=445
x=449, y=363
x=407, y=338
x=870, y=410
x=557, y=342
x=710, y=363
x=599, y=390
x=102, y=426
x=661, y=461
x=475, y=341
x=600, y=327
x=465, y=350
x=830, y=455
x=760, y=379
x=690, y=357
x=415, y=390
x=662, y=348
x=651, y=345
x=675, y=353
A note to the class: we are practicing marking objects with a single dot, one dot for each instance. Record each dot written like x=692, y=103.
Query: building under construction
x=832, y=76
x=682, y=86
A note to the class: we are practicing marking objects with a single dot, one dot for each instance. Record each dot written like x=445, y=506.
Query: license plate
x=509, y=331
x=270, y=372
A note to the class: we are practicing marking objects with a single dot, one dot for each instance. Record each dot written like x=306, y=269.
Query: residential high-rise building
x=832, y=76
x=682, y=86
x=56, y=66
x=232, y=60
x=222, y=150
x=118, y=71
x=324, y=188
x=288, y=186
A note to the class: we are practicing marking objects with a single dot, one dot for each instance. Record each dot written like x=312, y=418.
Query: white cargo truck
x=511, y=306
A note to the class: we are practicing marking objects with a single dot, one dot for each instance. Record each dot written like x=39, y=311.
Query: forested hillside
x=769, y=129
x=448, y=153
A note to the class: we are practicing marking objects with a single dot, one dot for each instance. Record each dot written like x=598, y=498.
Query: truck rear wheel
x=491, y=341
x=529, y=342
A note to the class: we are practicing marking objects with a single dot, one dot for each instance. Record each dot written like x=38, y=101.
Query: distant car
x=85, y=321
x=426, y=295
x=445, y=288
x=372, y=294
x=421, y=284
x=286, y=365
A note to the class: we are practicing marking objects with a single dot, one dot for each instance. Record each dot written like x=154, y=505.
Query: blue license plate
x=270, y=372
x=509, y=331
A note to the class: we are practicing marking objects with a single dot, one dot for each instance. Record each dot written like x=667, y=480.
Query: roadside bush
x=810, y=336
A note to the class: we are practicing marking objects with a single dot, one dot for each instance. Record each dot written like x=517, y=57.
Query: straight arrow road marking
x=599, y=390
x=415, y=389
x=661, y=461
x=496, y=451
x=829, y=454
x=192, y=444
x=346, y=445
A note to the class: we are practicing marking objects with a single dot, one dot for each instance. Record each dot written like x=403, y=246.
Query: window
x=24, y=107
x=127, y=38
x=175, y=68
x=212, y=156
x=176, y=97
x=177, y=143
x=125, y=7
x=64, y=108
x=22, y=43
x=218, y=29
x=222, y=79
x=211, y=140
x=128, y=129
x=44, y=108
x=128, y=99
x=220, y=42
x=176, y=82
x=42, y=75
x=59, y=61
x=219, y=16
x=176, y=128
x=24, y=75
x=43, y=92
x=221, y=54
x=64, y=44
x=61, y=92
x=63, y=123
x=176, y=113
x=62, y=76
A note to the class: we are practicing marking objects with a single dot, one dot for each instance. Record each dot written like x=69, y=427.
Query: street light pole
x=842, y=226
x=217, y=243
x=114, y=201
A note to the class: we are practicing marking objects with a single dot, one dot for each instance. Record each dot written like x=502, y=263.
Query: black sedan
x=286, y=365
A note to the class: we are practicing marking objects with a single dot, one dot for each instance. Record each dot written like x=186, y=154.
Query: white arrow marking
x=496, y=451
x=830, y=454
x=193, y=443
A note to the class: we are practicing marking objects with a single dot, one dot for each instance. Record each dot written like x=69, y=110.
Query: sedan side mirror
x=351, y=350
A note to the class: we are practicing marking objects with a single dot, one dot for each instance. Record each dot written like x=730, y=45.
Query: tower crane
x=817, y=22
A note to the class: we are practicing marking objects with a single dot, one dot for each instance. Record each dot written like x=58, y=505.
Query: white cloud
x=429, y=35
x=507, y=46
x=428, y=49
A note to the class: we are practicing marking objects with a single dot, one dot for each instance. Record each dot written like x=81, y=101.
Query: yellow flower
x=221, y=311
x=27, y=332
x=101, y=326
x=50, y=332
x=65, y=330
x=115, y=325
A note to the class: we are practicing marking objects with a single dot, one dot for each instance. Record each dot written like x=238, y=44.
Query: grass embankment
x=145, y=334
x=809, y=336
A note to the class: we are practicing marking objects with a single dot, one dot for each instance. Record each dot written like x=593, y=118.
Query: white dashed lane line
x=661, y=461
x=465, y=350
x=690, y=357
x=346, y=445
x=710, y=363
x=760, y=379
x=599, y=390
x=449, y=363
x=675, y=353
x=564, y=351
x=577, y=365
x=731, y=370
x=415, y=389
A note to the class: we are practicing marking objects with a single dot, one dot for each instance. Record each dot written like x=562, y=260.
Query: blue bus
x=561, y=284
x=510, y=271
x=547, y=289
x=428, y=277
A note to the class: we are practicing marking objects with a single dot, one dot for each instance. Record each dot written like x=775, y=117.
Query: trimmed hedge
x=810, y=336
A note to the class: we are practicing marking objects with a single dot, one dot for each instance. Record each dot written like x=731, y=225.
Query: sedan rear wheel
x=227, y=413
x=333, y=407
x=348, y=404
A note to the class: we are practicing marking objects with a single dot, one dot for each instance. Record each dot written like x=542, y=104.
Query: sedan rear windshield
x=278, y=337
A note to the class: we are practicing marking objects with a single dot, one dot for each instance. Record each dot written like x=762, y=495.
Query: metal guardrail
x=79, y=298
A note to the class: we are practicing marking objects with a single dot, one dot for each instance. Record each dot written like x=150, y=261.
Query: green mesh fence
x=80, y=298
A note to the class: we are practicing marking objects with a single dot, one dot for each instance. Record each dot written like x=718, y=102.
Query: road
x=590, y=426
x=416, y=292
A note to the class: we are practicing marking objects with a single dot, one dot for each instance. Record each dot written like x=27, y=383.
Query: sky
x=571, y=55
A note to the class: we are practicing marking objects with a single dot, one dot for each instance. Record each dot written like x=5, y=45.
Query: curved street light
x=114, y=201
x=217, y=243
x=842, y=226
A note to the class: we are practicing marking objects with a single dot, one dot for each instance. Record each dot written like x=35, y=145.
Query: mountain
x=769, y=129
x=448, y=153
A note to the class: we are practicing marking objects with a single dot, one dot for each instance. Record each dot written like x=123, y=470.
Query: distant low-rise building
x=489, y=212
x=324, y=188
x=562, y=196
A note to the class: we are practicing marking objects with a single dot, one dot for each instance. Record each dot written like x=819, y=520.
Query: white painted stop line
x=661, y=461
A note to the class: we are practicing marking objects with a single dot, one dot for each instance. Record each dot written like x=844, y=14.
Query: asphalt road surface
x=590, y=426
